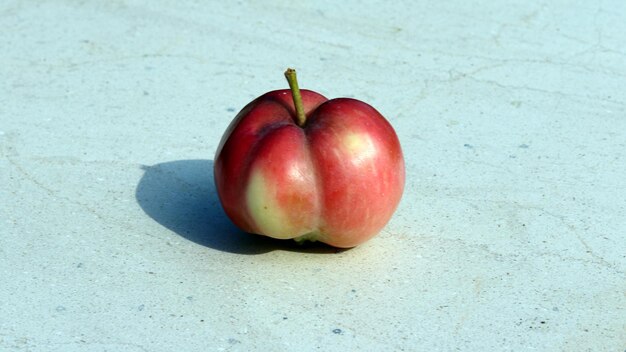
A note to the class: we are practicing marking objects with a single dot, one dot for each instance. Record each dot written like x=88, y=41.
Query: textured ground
x=510, y=236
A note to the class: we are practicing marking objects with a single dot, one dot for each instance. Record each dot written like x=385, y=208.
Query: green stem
x=290, y=74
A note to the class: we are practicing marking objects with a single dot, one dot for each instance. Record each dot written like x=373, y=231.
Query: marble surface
x=511, y=235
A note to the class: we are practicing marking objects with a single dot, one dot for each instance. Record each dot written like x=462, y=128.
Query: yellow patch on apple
x=264, y=209
x=360, y=146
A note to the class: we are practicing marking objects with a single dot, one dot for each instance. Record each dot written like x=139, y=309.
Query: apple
x=295, y=165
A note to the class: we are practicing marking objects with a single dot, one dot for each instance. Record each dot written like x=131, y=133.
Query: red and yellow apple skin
x=338, y=179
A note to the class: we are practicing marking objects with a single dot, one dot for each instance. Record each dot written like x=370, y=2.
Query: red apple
x=295, y=165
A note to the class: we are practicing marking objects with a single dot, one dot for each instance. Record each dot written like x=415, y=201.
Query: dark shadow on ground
x=181, y=196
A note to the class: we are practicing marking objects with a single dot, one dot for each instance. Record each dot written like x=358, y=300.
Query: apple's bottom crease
x=312, y=236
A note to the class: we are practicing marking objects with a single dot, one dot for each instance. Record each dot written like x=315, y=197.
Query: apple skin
x=338, y=179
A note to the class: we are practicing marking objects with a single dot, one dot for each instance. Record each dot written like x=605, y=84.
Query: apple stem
x=290, y=74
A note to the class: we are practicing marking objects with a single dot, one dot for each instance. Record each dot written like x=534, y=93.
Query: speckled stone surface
x=511, y=235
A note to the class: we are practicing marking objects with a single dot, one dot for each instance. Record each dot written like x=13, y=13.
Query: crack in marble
x=569, y=96
x=596, y=258
x=12, y=156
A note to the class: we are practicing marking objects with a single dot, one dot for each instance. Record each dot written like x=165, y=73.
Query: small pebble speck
x=523, y=146
x=60, y=309
x=230, y=109
x=468, y=146
x=337, y=331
